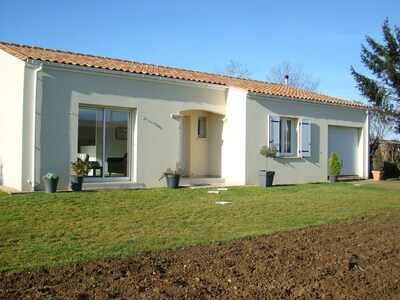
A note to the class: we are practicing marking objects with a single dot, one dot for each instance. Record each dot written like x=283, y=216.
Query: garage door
x=344, y=141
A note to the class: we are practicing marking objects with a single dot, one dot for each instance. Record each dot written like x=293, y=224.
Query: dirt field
x=350, y=260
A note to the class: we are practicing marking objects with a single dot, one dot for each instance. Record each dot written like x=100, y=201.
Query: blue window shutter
x=274, y=132
x=305, y=132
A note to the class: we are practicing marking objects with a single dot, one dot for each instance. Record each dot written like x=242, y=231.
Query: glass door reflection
x=103, y=141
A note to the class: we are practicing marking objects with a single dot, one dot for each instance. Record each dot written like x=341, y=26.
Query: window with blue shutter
x=289, y=140
x=305, y=137
x=274, y=132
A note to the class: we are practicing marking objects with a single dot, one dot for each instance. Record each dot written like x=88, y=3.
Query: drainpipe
x=35, y=83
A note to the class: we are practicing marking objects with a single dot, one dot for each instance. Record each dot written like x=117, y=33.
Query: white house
x=135, y=120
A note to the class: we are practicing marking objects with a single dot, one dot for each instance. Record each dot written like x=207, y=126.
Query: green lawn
x=48, y=229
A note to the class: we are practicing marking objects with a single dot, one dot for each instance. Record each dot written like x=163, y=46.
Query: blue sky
x=323, y=36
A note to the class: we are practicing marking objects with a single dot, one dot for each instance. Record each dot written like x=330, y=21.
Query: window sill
x=289, y=156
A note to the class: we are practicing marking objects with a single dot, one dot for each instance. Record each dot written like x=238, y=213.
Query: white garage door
x=344, y=141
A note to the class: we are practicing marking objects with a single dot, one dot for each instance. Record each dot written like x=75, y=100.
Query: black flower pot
x=333, y=178
x=50, y=185
x=173, y=181
x=76, y=183
x=266, y=178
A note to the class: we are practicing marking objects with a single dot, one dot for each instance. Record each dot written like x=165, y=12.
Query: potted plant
x=173, y=176
x=50, y=182
x=266, y=177
x=334, y=166
x=80, y=169
x=377, y=166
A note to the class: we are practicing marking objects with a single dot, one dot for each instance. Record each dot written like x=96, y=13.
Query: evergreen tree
x=383, y=61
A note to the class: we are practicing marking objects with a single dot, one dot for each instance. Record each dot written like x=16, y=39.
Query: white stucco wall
x=12, y=89
x=156, y=142
x=322, y=115
x=234, y=138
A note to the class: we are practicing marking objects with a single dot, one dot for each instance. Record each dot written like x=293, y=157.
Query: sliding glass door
x=103, y=140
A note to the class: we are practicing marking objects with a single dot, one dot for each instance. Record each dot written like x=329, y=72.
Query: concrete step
x=115, y=185
x=202, y=181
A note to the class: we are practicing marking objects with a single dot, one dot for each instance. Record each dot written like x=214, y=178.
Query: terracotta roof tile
x=24, y=52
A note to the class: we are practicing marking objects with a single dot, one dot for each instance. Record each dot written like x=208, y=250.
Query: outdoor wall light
x=175, y=117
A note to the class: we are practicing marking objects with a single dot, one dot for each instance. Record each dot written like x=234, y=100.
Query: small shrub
x=391, y=170
x=80, y=167
x=179, y=170
x=334, y=164
x=377, y=161
x=50, y=175
x=268, y=151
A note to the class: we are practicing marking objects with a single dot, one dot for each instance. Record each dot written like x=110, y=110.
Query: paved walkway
x=392, y=184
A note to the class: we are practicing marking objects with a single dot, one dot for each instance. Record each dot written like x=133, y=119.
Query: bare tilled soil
x=357, y=259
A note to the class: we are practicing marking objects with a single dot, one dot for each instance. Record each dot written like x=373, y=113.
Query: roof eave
x=125, y=74
x=307, y=101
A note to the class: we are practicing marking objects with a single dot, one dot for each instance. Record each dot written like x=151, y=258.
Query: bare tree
x=235, y=69
x=298, y=78
x=381, y=125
